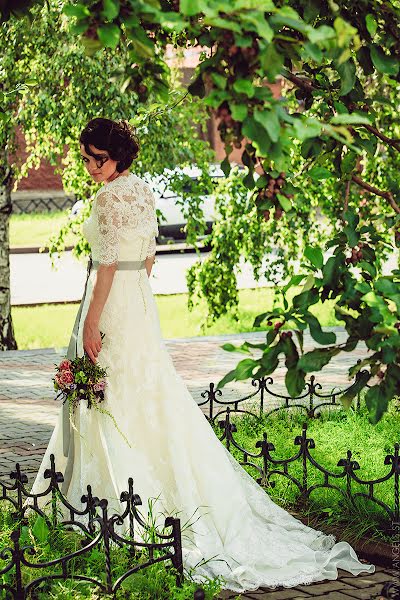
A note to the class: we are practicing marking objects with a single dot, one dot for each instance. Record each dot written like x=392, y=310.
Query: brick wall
x=41, y=179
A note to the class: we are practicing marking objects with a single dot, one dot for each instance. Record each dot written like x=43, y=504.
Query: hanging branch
x=370, y=188
x=390, y=141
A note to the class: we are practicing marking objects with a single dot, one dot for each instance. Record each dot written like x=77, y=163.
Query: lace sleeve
x=110, y=222
x=151, y=250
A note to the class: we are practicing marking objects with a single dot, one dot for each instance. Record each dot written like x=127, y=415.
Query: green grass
x=335, y=432
x=50, y=325
x=51, y=543
x=35, y=229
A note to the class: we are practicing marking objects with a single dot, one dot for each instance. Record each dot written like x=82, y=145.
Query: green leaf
x=318, y=173
x=252, y=130
x=389, y=354
x=321, y=35
x=232, y=348
x=269, y=360
x=316, y=359
x=219, y=80
x=305, y=299
x=294, y=280
x=287, y=16
x=322, y=337
x=386, y=286
x=244, y=86
x=371, y=24
x=226, y=379
x=347, y=74
x=244, y=369
x=389, y=65
x=352, y=235
x=239, y=111
x=270, y=122
x=361, y=381
x=284, y=202
x=109, y=35
x=315, y=256
x=261, y=25
x=377, y=401
x=226, y=166
x=79, y=27
x=271, y=61
x=110, y=9
x=76, y=10
x=40, y=530
x=248, y=180
x=295, y=381
x=349, y=119
x=312, y=51
x=307, y=128
x=190, y=7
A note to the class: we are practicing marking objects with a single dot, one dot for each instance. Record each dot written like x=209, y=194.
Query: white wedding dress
x=175, y=455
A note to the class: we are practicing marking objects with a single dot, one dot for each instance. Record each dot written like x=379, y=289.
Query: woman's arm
x=101, y=290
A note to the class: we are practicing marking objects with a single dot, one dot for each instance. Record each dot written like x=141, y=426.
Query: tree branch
x=309, y=87
x=346, y=196
x=391, y=142
x=305, y=84
x=370, y=188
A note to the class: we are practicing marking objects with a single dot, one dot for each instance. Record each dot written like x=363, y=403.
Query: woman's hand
x=91, y=339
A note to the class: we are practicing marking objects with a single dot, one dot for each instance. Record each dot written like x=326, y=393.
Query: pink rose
x=66, y=377
x=58, y=381
x=65, y=365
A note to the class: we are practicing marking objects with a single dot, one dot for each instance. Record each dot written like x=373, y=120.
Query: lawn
x=335, y=432
x=34, y=229
x=50, y=325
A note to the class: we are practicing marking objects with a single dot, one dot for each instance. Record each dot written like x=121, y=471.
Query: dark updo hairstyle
x=118, y=138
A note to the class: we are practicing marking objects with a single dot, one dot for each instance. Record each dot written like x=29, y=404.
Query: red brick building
x=45, y=181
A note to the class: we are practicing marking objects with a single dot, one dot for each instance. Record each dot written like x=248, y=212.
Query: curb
x=174, y=248
x=181, y=340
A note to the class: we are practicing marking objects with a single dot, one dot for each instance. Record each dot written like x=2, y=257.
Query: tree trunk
x=7, y=339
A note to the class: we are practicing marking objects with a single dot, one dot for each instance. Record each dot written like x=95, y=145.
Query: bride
x=173, y=453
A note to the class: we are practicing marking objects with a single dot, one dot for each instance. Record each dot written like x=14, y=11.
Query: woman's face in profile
x=100, y=167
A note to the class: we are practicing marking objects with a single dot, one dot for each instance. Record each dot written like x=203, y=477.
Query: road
x=34, y=281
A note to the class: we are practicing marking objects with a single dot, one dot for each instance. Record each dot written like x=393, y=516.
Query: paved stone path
x=346, y=587
x=28, y=413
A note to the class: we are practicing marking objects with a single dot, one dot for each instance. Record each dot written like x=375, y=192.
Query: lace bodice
x=123, y=222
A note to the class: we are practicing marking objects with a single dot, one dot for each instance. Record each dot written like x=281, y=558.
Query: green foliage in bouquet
x=81, y=380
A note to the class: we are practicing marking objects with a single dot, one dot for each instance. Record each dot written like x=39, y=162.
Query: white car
x=168, y=202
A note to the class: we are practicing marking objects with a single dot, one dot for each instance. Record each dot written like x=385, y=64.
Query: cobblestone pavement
x=346, y=587
x=28, y=410
x=28, y=414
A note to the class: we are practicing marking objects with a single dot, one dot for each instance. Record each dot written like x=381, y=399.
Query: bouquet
x=80, y=380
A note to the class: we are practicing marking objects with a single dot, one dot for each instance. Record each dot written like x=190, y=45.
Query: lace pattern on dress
x=124, y=209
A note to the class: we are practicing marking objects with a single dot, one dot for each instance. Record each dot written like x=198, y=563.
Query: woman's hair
x=118, y=138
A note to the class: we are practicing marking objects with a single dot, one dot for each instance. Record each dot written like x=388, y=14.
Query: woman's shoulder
x=123, y=183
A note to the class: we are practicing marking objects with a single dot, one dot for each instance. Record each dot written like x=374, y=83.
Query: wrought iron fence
x=37, y=204
x=310, y=401
x=98, y=533
x=271, y=466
